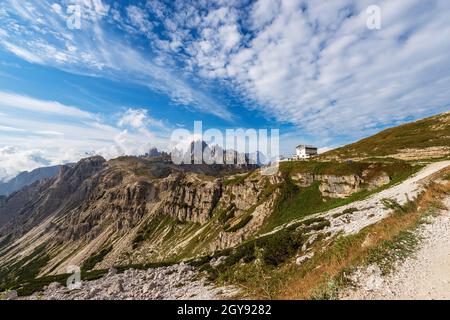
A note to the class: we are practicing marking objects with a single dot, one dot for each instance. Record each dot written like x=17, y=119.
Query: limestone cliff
x=342, y=186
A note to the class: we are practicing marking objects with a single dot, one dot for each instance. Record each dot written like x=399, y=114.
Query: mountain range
x=138, y=211
x=26, y=178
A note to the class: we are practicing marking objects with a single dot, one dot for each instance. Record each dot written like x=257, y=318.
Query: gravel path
x=426, y=275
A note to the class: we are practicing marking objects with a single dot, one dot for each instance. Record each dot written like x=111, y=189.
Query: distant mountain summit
x=199, y=152
x=27, y=178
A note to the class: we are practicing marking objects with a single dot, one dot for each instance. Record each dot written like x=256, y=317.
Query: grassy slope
x=425, y=133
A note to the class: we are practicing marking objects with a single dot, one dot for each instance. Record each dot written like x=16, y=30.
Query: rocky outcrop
x=192, y=201
x=179, y=281
x=113, y=206
x=28, y=207
x=245, y=195
x=339, y=186
x=258, y=217
x=377, y=181
x=342, y=186
x=303, y=179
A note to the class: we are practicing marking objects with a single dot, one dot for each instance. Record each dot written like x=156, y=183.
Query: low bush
x=316, y=227
x=90, y=262
x=280, y=247
x=391, y=204
x=227, y=214
x=349, y=210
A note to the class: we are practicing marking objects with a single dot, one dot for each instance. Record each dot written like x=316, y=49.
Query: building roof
x=305, y=146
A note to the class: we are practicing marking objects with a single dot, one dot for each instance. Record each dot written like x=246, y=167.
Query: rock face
x=125, y=209
x=246, y=194
x=341, y=186
x=258, y=217
x=10, y=295
x=32, y=204
x=193, y=203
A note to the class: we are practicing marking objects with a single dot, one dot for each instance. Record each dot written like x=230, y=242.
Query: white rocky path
x=425, y=275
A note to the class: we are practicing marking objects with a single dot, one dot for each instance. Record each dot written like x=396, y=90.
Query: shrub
x=227, y=214
x=236, y=180
x=312, y=221
x=280, y=247
x=90, y=262
x=245, y=252
x=318, y=226
x=349, y=210
x=391, y=204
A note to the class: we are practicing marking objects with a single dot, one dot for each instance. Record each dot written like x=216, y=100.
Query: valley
x=257, y=235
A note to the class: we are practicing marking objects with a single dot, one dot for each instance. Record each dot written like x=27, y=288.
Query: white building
x=305, y=152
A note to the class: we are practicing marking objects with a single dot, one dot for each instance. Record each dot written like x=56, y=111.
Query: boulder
x=116, y=287
x=112, y=272
x=217, y=262
x=149, y=286
x=303, y=258
x=54, y=286
x=11, y=295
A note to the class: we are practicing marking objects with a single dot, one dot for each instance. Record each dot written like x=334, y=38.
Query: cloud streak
x=41, y=36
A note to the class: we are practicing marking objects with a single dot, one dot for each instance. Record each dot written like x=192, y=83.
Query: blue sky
x=136, y=70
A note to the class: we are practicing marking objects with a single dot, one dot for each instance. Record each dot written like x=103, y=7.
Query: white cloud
x=15, y=101
x=35, y=133
x=311, y=64
x=139, y=18
x=134, y=118
x=264, y=11
x=138, y=119
x=43, y=37
x=22, y=53
x=324, y=71
x=10, y=129
x=316, y=65
x=14, y=160
x=56, y=7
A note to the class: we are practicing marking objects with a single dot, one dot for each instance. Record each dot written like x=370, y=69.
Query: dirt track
x=426, y=275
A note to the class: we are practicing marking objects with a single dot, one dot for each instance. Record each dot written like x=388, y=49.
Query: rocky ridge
x=99, y=214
